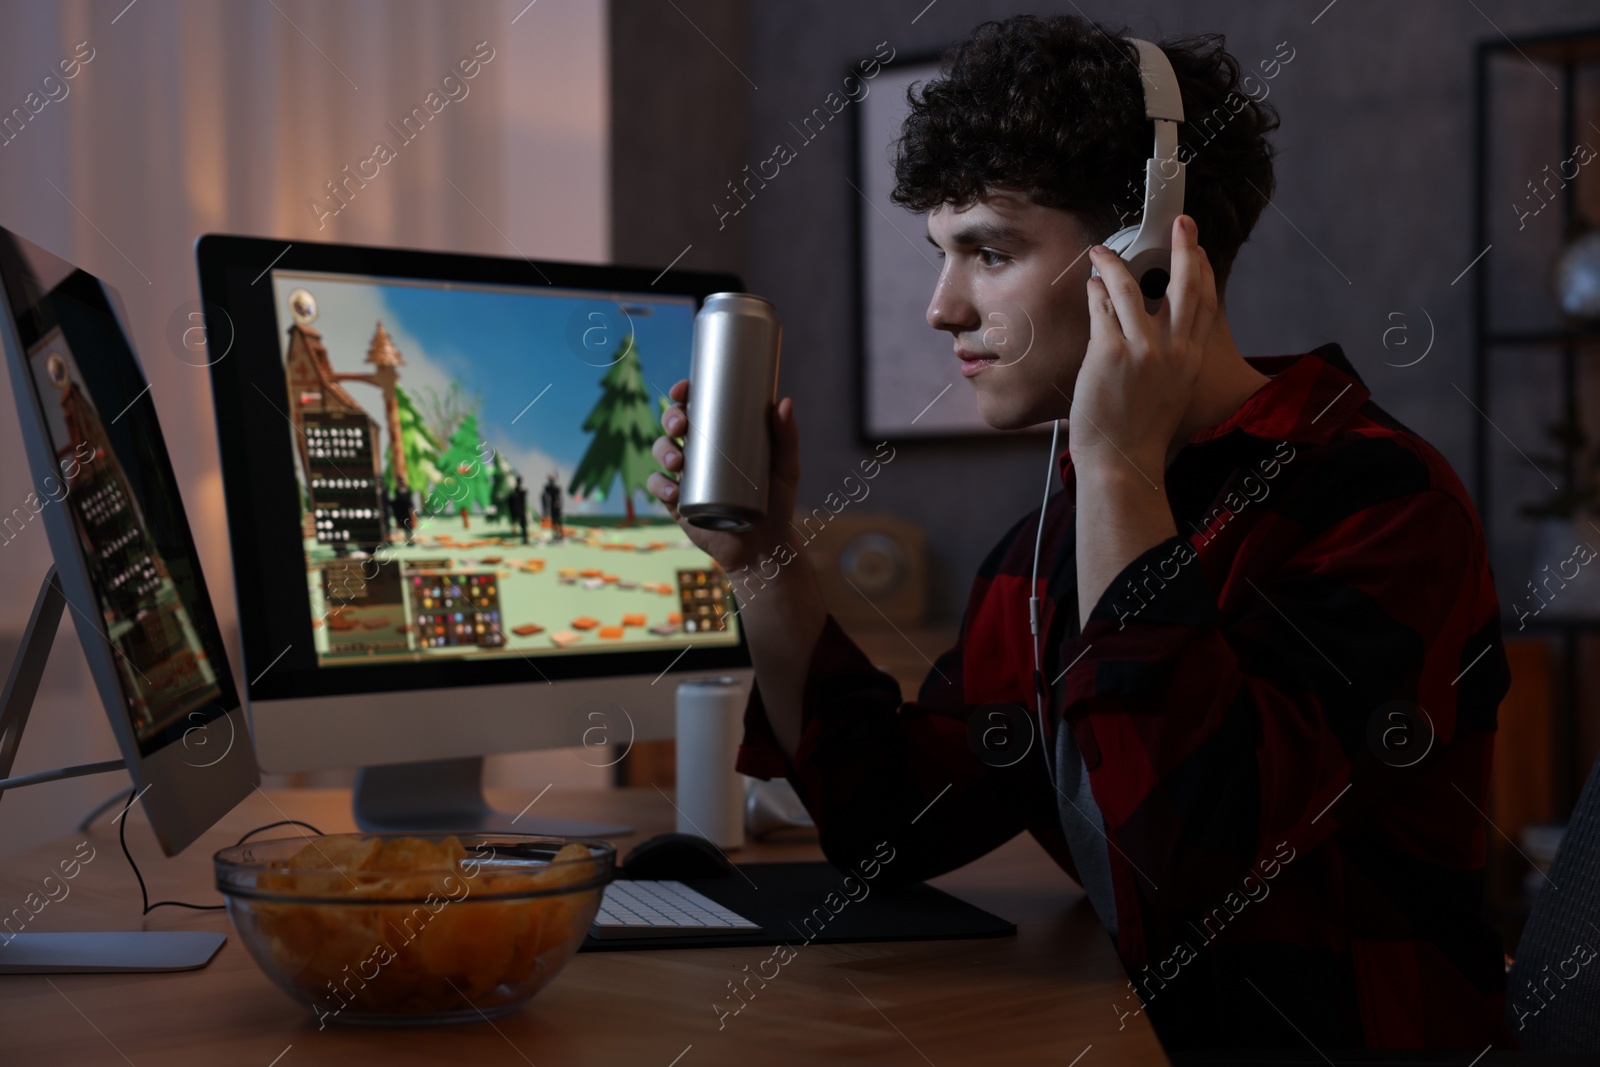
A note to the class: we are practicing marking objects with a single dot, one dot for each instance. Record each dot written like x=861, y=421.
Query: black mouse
x=675, y=856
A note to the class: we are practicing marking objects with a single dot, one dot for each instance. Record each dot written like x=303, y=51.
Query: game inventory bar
x=703, y=596
x=457, y=609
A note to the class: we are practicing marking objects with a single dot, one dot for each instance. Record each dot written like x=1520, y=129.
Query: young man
x=1269, y=637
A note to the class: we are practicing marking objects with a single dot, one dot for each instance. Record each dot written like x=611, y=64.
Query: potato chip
x=416, y=886
x=565, y=868
x=340, y=851
x=404, y=855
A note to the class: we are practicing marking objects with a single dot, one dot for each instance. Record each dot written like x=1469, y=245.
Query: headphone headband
x=1147, y=247
x=1161, y=97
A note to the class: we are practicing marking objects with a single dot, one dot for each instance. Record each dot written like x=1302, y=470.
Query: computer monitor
x=125, y=562
x=126, y=567
x=375, y=409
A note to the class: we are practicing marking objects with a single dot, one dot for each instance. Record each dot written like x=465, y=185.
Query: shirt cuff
x=1151, y=608
x=760, y=755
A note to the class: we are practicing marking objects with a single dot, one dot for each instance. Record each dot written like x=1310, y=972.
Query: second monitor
x=443, y=548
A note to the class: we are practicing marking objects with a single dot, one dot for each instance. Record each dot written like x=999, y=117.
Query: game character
x=403, y=509
x=550, y=504
x=517, y=504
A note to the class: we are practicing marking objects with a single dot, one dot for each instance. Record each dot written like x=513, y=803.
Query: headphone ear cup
x=1152, y=268
x=1120, y=240
x=1118, y=243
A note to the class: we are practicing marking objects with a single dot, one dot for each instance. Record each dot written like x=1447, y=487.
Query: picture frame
x=909, y=381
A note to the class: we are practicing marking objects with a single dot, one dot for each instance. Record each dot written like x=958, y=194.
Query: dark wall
x=1372, y=217
x=680, y=109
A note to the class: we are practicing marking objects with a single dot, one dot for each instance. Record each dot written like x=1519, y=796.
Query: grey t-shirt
x=1081, y=820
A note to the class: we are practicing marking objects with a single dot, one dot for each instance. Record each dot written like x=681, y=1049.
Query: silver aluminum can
x=733, y=386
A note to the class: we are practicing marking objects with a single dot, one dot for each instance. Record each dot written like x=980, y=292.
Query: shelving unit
x=1562, y=56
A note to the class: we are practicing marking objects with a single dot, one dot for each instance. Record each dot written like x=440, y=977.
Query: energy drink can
x=733, y=386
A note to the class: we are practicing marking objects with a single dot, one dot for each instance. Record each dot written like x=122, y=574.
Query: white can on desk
x=710, y=724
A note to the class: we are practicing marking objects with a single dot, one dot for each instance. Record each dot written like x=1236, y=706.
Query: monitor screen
x=470, y=461
x=109, y=472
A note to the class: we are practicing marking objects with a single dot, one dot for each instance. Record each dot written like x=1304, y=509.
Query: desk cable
x=144, y=893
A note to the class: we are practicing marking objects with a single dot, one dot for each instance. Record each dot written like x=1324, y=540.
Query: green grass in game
x=643, y=559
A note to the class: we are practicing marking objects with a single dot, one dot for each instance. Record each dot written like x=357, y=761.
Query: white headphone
x=1147, y=249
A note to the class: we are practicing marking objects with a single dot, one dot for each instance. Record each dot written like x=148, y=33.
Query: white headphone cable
x=1033, y=605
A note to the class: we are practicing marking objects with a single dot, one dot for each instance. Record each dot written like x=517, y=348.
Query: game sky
x=508, y=349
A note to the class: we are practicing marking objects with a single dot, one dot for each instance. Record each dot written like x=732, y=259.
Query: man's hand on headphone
x=1139, y=369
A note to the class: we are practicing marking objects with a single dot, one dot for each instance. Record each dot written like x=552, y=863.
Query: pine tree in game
x=465, y=480
x=623, y=423
x=502, y=483
x=419, y=446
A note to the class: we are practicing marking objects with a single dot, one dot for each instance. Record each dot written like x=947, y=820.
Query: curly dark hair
x=1053, y=108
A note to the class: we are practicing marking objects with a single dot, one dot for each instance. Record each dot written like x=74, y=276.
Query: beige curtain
x=185, y=117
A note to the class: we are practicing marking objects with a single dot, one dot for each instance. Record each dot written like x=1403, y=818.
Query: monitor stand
x=108, y=951
x=447, y=795
x=67, y=953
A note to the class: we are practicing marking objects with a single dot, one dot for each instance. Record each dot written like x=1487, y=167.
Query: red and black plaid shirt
x=1287, y=713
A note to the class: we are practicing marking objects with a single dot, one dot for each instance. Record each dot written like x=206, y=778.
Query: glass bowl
x=394, y=928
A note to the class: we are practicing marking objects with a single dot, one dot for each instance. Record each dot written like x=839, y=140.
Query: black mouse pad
x=791, y=902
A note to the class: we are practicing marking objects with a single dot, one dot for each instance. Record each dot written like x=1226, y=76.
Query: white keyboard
x=662, y=909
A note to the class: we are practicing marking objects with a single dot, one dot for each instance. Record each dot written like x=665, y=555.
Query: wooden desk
x=1040, y=997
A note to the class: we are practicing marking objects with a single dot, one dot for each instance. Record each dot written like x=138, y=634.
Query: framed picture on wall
x=910, y=382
